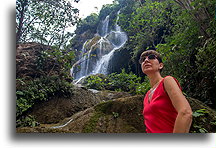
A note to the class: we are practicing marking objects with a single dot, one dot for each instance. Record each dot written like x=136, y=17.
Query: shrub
x=26, y=121
x=118, y=82
x=95, y=82
x=201, y=123
x=40, y=89
x=205, y=73
x=126, y=82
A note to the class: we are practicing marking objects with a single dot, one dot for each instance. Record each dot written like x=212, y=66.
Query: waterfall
x=105, y=26
x=103, y=63
x=97, y=52
x=81, y=62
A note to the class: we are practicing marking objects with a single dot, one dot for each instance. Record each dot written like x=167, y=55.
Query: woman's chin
x=147, y=72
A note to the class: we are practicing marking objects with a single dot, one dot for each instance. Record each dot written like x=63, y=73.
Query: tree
x=148, y=24
x=45, y=21
x=189, y=50
x=201, y=11
x=89, y=23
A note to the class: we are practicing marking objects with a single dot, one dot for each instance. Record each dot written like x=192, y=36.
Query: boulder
x=26, y=59
x=58, y=108
x=122, y=115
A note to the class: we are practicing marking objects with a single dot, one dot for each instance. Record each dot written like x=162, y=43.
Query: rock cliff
x=121, y=115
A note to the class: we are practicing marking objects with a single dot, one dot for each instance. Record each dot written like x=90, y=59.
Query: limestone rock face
x=122, y=115
x=26, y=59
x=58, y=108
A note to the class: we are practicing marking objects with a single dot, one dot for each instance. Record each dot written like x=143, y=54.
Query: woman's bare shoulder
x=168, y=78
x=170, y=81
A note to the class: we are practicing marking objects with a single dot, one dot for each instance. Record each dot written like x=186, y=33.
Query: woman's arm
x=184, y=117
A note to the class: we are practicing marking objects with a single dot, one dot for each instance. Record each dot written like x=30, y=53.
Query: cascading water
x=104, y=29
x=97, y=52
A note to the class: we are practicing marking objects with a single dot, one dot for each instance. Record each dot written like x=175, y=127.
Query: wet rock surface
x=121, y=115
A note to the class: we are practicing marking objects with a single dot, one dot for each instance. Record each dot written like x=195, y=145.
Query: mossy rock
x=92, y=41
x=204, y=118
x=124, y=115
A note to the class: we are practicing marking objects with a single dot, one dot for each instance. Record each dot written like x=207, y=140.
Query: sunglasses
x=150, y=57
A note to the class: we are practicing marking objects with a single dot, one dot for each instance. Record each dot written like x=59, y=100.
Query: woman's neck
x=154, y=79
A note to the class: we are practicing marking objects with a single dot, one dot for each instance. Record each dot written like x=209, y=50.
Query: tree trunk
x=20, y=25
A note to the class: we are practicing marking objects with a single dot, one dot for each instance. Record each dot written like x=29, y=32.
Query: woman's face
x=151, y=65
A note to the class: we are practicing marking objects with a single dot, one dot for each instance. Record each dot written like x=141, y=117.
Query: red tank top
x=159, y=113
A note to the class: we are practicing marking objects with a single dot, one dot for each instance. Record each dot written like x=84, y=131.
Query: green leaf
x=196, y=114
x=19, y=93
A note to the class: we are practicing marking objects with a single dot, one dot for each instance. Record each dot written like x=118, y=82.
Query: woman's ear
x=161, y=65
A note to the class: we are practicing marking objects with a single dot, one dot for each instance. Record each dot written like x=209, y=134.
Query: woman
x=166, y=109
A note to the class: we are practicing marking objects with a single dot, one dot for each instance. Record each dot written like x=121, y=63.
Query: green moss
x=91, y=42
x=104, y=107
x=90, y=126
x=100, y=110
x=130, y=129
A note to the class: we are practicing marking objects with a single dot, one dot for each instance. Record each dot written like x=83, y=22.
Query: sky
x=86, y=7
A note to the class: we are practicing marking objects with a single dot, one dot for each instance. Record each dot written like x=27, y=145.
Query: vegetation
x=55, y=62
x=201, y=116
x=184, y=36
x=52, y=80
x=182, y=31
x=89, y=23
x=189, y=43
x=48, y=26
x=45, y=21
x=118, y=82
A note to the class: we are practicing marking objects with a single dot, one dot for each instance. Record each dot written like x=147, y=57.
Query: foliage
x=40, y=89
x=147, y=24
x=126, y=82
x=189, y=55
x=95, y=82
x=89, y=23
x=107, y=10
x=45, y=21
x=55, y=61
x=53, y=80
x=184, y=33
x=118, y=82
x=126, y=16
x=206, y=61
x=27, y=121
x=200, y=116
x=143, y=87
